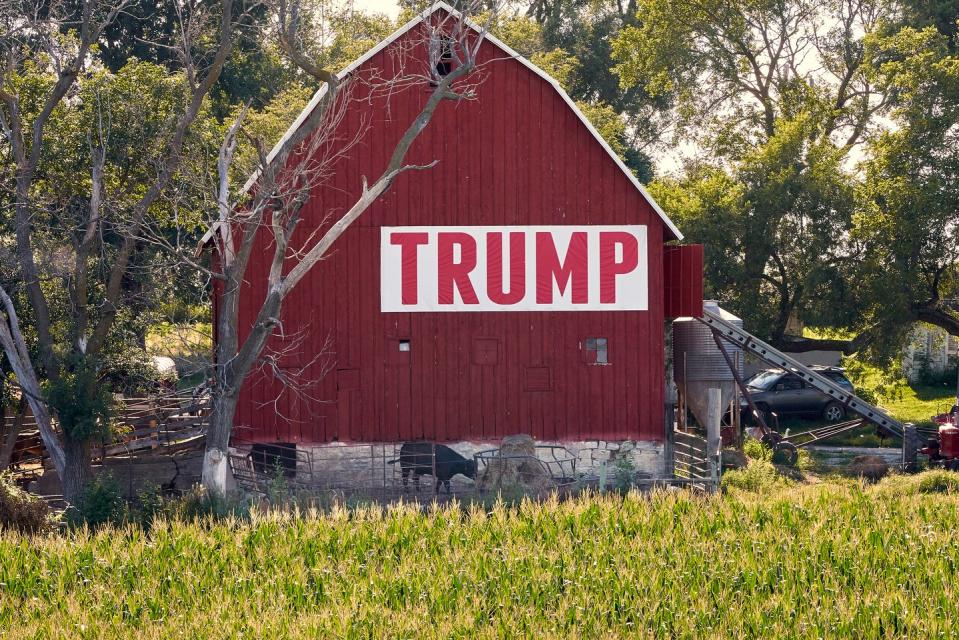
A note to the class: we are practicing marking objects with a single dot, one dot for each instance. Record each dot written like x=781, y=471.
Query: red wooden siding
x=516, y=155
x=683, y=284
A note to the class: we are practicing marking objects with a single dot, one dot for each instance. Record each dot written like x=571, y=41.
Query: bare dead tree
x=33, y=34
x=272, y=200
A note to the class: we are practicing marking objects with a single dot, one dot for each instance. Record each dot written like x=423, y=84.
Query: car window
x=791, y=383
x=764, y=380
x=839, y=379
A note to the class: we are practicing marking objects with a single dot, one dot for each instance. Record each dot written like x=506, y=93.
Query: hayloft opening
x=444, y=58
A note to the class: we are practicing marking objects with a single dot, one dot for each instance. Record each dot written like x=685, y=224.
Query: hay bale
x=515, y=468
x=872, y=468
x=518, y=445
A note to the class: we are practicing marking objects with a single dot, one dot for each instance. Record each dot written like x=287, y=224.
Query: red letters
x=608, y=267
x=458, y=273
x=410, y=243
x=514, y=268
x=517, y=267
x=575, y=267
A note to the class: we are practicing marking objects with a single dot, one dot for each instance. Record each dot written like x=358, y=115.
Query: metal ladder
x=767, y=353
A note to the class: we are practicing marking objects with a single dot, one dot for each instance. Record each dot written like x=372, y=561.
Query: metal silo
x=698, y=364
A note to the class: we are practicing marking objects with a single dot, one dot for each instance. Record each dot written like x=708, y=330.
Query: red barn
x=521, y=285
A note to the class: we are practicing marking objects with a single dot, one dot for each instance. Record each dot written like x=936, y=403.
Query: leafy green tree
x=941, y=14
x=906, y=226
x=87, y=155
x=776, y=95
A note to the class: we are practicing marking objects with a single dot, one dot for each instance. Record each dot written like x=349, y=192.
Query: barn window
x=404, y=345
x=441, y=50
x=596, y=350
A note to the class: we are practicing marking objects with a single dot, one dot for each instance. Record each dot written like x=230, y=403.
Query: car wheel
x=834, y=412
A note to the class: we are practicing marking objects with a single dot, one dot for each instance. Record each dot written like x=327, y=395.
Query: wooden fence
x=691, y=461
x=148, y=425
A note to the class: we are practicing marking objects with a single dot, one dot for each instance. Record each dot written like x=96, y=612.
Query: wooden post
x=910, y=446
x=669, y=449
x=714, y=444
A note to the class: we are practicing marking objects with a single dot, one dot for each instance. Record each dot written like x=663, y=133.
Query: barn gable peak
x=511, y=53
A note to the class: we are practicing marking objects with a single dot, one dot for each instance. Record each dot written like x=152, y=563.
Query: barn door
x=347, y=403
x=398, y=421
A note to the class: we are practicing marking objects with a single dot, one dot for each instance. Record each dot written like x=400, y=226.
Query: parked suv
x=775, y=390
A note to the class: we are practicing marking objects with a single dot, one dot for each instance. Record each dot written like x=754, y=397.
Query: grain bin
x=699, y=365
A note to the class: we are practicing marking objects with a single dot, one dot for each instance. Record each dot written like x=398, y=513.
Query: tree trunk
x=216, y=468
x=76, y=470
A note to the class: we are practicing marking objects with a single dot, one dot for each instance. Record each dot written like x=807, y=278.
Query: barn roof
x=510, y=53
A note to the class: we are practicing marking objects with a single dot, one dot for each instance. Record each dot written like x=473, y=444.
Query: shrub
x=759, y=476
x=624, y=473
x=938, y=482
x=200, y=504
x=21, y=511
x=102, y=503
x=150, y=505
x=756, y=450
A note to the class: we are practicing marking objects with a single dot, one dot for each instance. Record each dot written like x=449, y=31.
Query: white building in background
x=931, y=347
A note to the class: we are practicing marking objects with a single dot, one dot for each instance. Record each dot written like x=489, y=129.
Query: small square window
x=404, y=345
x=596, y=351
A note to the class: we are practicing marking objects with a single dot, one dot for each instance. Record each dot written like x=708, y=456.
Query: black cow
x=429, y=459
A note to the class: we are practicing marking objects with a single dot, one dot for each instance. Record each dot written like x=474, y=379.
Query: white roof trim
x=509, y=51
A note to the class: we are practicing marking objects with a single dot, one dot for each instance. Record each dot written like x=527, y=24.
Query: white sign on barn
x=514, y=268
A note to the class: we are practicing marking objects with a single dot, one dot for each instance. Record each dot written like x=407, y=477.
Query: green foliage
x=608, y=123
x=22, y=511
x=83, y=405
x=150, y=506
x=200, y=505
x=829, y=560
x=794, y=229
x=278, y=489
x=938, y=482
x=759, y=476
x=623, y=474
x=558, y=64
x=102, y=504
x=922, y=485
x=756, y=450
x=268, y=124
x=873, y=384
x=769, y=222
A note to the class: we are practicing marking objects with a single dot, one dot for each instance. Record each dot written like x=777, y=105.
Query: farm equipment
x=943, y=447
x=788, y=445
x=788, y=448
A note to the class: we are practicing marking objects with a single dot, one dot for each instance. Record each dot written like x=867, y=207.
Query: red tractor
x=944, y=448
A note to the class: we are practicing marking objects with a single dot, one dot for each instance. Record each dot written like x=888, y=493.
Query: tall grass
x=828, y=560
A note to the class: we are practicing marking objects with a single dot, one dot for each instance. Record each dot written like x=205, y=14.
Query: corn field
x=836, y=559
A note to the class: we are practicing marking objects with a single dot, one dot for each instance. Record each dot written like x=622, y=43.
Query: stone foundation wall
x=367, y=465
